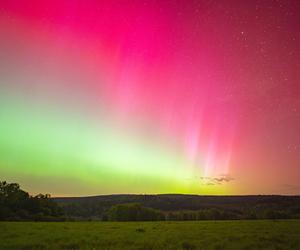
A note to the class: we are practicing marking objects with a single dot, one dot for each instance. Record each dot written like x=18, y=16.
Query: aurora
x=133, y=96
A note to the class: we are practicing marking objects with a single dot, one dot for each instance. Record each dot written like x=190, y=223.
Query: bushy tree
x=133, y=212
x=16, y=204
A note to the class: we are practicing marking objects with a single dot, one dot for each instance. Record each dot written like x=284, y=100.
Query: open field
x=281, y=234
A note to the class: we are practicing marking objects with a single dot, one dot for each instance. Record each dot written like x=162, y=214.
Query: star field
x=150, y=96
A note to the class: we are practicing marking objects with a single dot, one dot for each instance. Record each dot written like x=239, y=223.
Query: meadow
x=188, y=235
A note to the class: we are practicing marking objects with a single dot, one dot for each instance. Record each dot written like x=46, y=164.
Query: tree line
x=181, y=207
x=132, y=212
x=136, y=212
x=16, y=204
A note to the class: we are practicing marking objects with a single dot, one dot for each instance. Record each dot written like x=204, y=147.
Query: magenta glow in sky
x=164, y=96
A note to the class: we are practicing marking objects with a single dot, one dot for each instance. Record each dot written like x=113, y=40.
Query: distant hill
x=239, y=206
x=17, y=204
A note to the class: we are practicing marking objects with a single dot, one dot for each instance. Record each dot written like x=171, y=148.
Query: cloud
x=219, y=180
x=224, y=179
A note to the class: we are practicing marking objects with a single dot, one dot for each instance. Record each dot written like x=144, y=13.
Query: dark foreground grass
x=281, y=234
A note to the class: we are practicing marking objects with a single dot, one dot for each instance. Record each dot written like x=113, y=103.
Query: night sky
x=128, y=96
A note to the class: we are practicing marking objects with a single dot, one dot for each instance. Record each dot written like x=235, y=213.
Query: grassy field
x=283, y=234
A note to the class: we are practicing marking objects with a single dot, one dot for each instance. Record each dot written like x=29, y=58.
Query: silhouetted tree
x=16, y=204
